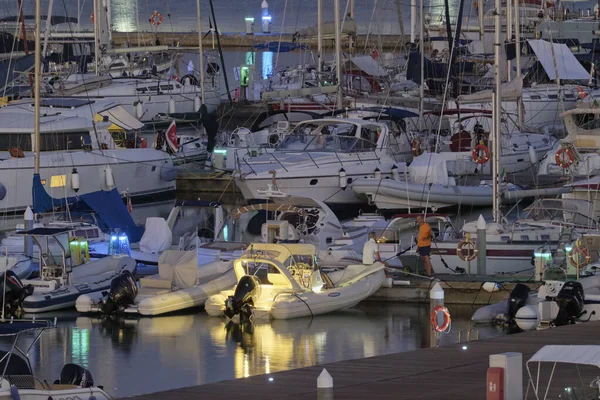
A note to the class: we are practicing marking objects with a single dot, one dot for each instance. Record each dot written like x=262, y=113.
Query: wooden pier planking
x=433, y=373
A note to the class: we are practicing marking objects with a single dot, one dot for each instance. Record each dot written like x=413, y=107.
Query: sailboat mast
x=36, y=88
x=97, y=15
x=518, y=61
x=338, y=51
x=200, y=51
x=496, y=114
x=422, y=62
x=320, y=38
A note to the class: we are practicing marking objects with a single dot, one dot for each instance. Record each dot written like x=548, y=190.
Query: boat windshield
x=591, y=125
x=342, y=137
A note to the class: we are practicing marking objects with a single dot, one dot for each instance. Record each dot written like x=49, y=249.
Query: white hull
x=61, y=392
x=95, y=276
x=136, y=171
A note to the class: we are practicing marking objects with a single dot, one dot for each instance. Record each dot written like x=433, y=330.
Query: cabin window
x=58, y=181
x=153, y=88
x=141, y=90
x=166, y=87
x=19, y=140
x=64, y=141
x=313, y=182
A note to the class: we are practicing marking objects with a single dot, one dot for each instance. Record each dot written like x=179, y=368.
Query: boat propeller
x=246, y=293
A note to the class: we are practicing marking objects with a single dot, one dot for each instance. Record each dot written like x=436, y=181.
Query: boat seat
x=155, y=282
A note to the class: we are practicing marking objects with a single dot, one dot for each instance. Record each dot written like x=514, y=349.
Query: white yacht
x=321, y=158
x=77, y=155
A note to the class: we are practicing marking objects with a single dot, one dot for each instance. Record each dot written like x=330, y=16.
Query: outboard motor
x=14, y=292
x=517, y=299
x=73, y=374
x=123, y=291
x=570, y=303
x=246, y=293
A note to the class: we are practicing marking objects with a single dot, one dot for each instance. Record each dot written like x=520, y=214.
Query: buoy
x=75, y=180
x=533, y=155
x=395, y=173
x=139, y=110
x=343, y=180
x=14, y=393
x=197, y=103
x=377, y=173
x=171, y=106
x=527, y=317
x=108, y=174
x=491, y=287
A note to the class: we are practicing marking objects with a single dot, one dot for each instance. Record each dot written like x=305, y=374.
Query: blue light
x=225, y=233
x=266, y=17
x=113, y=238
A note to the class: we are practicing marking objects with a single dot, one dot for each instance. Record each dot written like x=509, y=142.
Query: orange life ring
x=92, y=18
x=466, y=250
x=476, y=154
x=417, y=150
x=16, y=152
x=156, y=18
x=580, y=257
x=559, y=157
x=580, y=92
x=434, y=322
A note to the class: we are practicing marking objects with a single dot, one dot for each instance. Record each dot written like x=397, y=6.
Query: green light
x=542, y=255
x=220, y=151
x=568, y=248
x=249, y=19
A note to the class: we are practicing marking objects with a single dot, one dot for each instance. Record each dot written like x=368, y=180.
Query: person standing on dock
x=371, y=252
x=424, y=242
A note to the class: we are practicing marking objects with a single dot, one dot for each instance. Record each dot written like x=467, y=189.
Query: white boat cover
x=180, y=267
x=429, y=168
x=120, y=117
x=368, y=65
x=576, y=354
x=157, y=236
x=510, y=91
x=567, y=65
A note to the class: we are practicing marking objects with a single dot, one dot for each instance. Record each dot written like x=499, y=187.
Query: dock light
x=270, y=379
x=464, y=347
x=568, y=248
x=218, y=151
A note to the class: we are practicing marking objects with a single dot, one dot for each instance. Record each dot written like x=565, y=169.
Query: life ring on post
x=417, y=150
x=564, y=157
x=92, y=18
x=480, y=154
x=156, y=18
x=443, y=327
x=466, y=250
x=580, y=256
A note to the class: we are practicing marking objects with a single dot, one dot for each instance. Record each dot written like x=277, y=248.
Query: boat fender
x=481, y=154
x=466, y=250
x=139, y=109
x=564, y=157
x=197, y=103
x=377, y=173
x=417, y=150
x=343, y=179
x=445, y=325
x=75, y=180
x=108, y=175
x=172, y=107
x=580, y=256
x=533, y=155
x=14, y=393
x=395, y=173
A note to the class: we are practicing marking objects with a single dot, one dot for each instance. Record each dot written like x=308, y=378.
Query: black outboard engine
x=517, y=299
x=123, y=291
x=73, y=374
x=246, y=293
x=570, y=303
x=14, y=292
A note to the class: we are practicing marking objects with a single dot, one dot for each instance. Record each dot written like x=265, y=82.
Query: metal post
x=422, y=57
x=509, y=31
x=324, y=386
x=481, y=245
x=212, y=11
x=436, y=298
x=36, y=88
x=413, y=21
x=480, y=17
x=200, y=52
x=28, y=225
x=518, y=61
x=97, y=16
x=319, y=39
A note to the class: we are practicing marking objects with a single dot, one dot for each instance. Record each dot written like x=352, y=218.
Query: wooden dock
x=449, y=372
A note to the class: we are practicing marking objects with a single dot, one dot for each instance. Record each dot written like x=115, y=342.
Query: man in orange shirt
x=424, y=242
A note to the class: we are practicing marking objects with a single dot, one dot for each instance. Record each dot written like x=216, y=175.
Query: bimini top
x=278, y=252
x=576, y=354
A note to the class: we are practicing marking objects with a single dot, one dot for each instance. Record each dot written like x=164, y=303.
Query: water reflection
x=124, y=15
x=192, y=349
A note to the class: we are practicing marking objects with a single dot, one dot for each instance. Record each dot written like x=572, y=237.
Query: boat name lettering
x=335, y=294
x=58, y=158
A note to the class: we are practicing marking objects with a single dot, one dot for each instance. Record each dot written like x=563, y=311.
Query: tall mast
x=200, y=50
x=338, y=51
x=518, y=61
x=496, y=115
x=319, y=38
x=422, y=61
x=97, y=15
x=36, y=88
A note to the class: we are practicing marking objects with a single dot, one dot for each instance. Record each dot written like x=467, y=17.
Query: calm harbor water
x=136, y=356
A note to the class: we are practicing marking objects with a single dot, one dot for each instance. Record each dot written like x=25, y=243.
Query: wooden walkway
x=434, y=373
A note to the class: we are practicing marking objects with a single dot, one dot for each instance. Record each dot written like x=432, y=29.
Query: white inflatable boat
x=20, y=264
x=179, y=284
x=283, y=281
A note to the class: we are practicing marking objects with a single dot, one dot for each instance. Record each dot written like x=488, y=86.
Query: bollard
x=27, y=240
x=324, y=386
x=249, y=25
x=481, y=245
x=436, y=298
x=508, y=377
x=266, y=18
